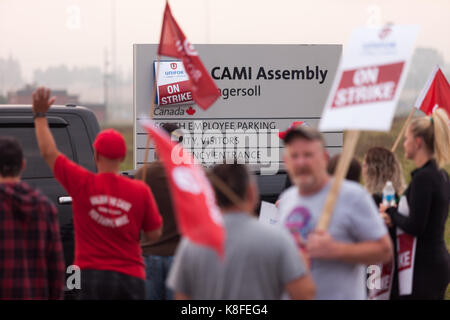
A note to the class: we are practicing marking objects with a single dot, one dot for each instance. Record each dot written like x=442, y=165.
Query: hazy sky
x=76, y=32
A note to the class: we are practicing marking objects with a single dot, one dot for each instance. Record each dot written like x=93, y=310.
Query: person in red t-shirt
x=109, y=212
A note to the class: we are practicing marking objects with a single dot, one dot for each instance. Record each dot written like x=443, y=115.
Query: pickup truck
x=74, y=129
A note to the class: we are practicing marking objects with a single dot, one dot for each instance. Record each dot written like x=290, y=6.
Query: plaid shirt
x=31, y=256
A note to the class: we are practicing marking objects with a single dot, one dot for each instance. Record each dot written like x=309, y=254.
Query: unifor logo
x=385, y=32
x=173, y=66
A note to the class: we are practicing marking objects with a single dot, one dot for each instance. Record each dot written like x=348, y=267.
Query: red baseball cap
x=110, y=144
x=294, y=124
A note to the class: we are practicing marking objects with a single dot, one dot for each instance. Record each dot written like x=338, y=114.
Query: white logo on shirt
x=104, y=205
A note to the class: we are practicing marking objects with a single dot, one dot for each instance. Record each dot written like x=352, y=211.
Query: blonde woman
x=424, y=212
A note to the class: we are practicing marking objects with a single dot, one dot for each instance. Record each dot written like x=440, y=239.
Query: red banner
x=435, y=94
x=198, y=217
x=173, y=43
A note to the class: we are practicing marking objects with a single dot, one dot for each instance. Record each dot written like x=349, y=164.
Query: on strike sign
x=172, y=83
x=369, y=80
x=368, y=85
x=174, y=93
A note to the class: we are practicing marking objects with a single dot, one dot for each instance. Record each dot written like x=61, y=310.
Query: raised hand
x=41, y=100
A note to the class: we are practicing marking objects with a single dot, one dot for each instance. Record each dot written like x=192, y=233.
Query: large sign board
x=370, y=77
x=264, y=88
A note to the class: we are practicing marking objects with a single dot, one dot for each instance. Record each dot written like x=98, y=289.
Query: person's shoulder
x=133, y=186
x=156, y=172
x=64, y=164
x=426, y=174
x=271, y=235
x=132, y=183
x=63, y=160
x=353, y=188
x=155, y=165
x=431, y=170
x=431, y=175
x=288, y=193
x=285, y=201
x=192, y=250
x=42, y=199
x=354, y=193
x=33, y=192
x=61, y=157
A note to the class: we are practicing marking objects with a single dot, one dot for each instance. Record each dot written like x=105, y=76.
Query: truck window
x=36, y=166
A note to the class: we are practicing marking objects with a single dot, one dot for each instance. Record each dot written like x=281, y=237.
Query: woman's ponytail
x=441, y=136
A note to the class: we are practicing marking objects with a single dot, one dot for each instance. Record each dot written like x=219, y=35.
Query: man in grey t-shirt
x=356, y=235
x=261, y=262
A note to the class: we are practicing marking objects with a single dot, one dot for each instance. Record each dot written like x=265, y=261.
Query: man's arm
x=321, y=245
x=419, y=202
x=46, y=142
x=181, y=296
x=154, y=234
x=370, y=238
x=302, y=288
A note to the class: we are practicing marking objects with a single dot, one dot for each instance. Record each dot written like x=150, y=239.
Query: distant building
x=99, y=110
x=24, y=96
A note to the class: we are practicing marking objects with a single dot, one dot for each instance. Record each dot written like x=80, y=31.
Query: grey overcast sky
x=76, y=32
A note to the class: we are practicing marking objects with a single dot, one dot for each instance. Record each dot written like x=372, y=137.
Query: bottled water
x=389, y=194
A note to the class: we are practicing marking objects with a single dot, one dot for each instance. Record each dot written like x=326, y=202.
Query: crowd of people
x=127, y=244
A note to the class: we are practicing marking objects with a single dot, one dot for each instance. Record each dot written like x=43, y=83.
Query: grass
x=365, y=142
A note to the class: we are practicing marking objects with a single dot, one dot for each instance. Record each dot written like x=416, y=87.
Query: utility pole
x=106, y=84
x=113, y=74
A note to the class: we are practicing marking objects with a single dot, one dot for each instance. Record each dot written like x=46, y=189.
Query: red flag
x=435, y=94
x=173, y=43
x=198, y=217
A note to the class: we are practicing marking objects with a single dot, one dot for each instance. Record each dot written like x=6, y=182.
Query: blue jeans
x=157, y=269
